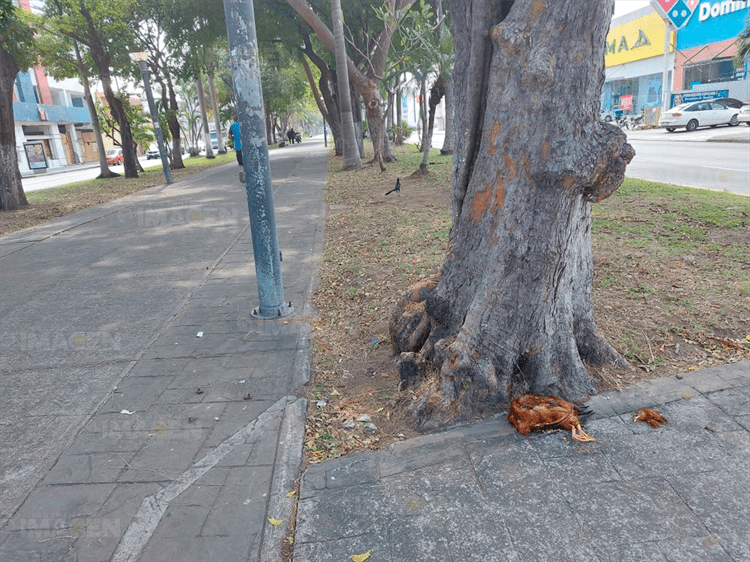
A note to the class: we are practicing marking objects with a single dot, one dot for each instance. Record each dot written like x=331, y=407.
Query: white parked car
x=743, y=115
x=706, y=113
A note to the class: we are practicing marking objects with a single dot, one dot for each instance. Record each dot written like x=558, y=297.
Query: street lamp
x=141, y=59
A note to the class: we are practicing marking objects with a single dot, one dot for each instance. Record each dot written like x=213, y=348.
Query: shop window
x=707, y=72
x=19, y=89
x=56, y=96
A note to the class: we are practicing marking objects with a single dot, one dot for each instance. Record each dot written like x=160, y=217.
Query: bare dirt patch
x=672, y=289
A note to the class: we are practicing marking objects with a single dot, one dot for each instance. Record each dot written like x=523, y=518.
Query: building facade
x=634, y=62
x=699, y=60
x=704, y=66
x=52, y=123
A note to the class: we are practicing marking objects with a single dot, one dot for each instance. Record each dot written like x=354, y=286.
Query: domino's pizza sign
x=676, y=11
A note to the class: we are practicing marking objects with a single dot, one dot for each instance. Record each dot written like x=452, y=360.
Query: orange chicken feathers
x=534, y=411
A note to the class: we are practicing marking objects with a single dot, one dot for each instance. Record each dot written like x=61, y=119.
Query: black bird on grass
x=397, y=188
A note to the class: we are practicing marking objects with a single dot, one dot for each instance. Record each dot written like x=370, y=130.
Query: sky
x=623, y=7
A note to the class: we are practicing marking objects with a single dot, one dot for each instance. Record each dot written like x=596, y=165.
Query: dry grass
x=672, y=288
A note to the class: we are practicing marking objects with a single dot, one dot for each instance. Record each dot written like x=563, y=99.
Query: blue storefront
x=706, y=47
x=49, y=135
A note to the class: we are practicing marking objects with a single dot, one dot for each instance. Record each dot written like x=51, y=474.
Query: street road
x=43, y=181
x=711, y=165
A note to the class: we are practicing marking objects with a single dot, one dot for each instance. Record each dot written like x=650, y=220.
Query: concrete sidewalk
x=145, y=415
x=484, y=492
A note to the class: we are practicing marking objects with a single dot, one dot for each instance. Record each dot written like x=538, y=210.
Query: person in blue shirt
x=234, y=136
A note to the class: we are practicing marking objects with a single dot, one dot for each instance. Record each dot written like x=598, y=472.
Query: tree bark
x=511, y=309
x=351, y=160
x=11, y=189
x=102, y=61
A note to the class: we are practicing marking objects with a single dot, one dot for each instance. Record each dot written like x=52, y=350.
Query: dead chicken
x=534, y=411
x=651, y=416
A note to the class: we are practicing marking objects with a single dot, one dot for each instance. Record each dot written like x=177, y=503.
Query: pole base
x=286, y=309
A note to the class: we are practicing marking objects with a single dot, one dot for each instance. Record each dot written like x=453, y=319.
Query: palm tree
x=351, y=150
x=743, y=47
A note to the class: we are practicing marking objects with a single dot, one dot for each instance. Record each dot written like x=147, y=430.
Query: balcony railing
x=50, y=113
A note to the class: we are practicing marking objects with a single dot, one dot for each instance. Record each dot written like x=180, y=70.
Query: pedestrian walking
x=236, y=138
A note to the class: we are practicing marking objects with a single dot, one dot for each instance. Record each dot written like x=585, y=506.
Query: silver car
x=706, y=113
x=152, y=152
x=743, y=115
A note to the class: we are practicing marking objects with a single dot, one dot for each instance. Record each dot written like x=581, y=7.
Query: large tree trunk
x=102, y=61
x=512, y=310
x=351, y=158
x=11, y=189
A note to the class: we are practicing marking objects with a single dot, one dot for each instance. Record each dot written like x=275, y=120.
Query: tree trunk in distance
x=102, y=61
x=204, y=117
x=328, y=92
x=174, y=127
x=321, y=102
x=448, y=141
x=436, y=94
x=357, y=119
x=399, y=136
x=511, y=309
x=12, y=196
x=351, y=159
x=215, y=106
x=270, y=130
x=389, y=112
x=104, y=171
x=423, y=108
x=368, y=86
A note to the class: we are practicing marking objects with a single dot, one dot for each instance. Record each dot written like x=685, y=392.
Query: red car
x=114, y=156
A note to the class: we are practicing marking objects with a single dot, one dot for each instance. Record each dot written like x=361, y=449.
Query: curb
x=286, y=471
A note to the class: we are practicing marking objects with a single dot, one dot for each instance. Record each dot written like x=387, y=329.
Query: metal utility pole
x=666, y=85
x=243, y=55
x=141, y=59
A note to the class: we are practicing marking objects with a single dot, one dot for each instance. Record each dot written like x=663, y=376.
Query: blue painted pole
x=244, y=59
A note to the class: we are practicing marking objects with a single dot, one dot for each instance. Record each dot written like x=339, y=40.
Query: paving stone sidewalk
x=486, y=493
x=196, y=442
